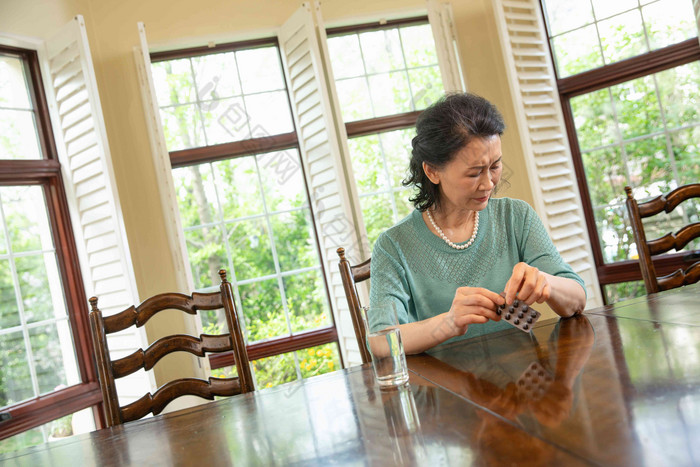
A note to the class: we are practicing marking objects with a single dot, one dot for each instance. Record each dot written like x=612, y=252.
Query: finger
x=480, y=291
x=478, y=300
x=467, y=319
x=529, y=284
x=513, y=284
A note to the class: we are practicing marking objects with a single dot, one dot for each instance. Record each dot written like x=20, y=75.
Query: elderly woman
x=461, y=253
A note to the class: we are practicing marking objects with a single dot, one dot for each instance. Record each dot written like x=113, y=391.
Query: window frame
x=251, y=147
x=46, y=173
x=399, y=121
x=595, y=79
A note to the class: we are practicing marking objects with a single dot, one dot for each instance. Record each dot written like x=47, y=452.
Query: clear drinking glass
x=385, y=345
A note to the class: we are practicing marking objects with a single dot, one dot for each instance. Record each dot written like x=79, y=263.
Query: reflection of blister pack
x=519, y=315
x=534, y=381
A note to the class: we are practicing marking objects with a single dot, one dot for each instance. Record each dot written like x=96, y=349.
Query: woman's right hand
x=473, y=305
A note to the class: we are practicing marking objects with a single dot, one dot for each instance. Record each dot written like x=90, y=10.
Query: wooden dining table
x=618, y=385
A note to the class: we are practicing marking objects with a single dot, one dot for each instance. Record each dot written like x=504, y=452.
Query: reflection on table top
x=614, y=387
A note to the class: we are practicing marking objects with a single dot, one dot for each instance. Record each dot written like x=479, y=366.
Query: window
x=46, y=368
x=244, y=202
x=384, y=75
x=629, y=81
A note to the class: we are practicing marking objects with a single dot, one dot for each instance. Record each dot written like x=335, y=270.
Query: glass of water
x=384, y=342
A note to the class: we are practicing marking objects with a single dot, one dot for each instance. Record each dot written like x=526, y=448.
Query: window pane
x=34, y=287
x=262, y=307
x=594, y=120
x=276, y=370
x=293, y=234
x=686, y=150
x=269, y=113
x=9, y=312
x=225, y=120
x=354, y=98
x=195, y=195
x=206, y=253
x=565, y=15
x=27, y=223
x=283, y=180
x=251, y=249
x=649, y=166
x=669, y=22
x=239, y=95
x=346, y=56
x=369, y=175
x=390, y=94
x=615, y=232
x=396, y=146
x=623, y=28
x=377, y=214
x=260, y=70
x=680, y=94
x=217, y=76
x=577, y=51
x=624, y=291
x=18, y=135
x=318, y=360
x=426, y=86
x=15, y=382
x=606, y=175
x=637, y=107
x=382, y=50
x=54, y=359
x=173, y=82
x=622, y=36
x=418, y=45
x=390, y=71
x=13, y=84
x=306, y=300
x=237, y=183
x=606, y=8
x=182, y=127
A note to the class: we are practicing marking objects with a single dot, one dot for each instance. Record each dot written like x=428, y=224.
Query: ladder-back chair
x=351, y=276
x=673, y=240
x=110, y=370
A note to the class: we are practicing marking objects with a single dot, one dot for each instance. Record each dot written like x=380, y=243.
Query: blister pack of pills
x=519, y=315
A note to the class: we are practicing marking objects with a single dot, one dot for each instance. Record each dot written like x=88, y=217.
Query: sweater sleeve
x=537, y=249
x=388, y=285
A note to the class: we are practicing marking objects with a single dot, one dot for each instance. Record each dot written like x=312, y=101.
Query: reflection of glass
x=385, y=345
x=400, y=411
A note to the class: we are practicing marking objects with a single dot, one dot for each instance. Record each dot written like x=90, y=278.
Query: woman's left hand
x=528, y=283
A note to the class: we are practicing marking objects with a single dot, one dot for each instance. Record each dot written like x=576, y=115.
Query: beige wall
x=112, y=33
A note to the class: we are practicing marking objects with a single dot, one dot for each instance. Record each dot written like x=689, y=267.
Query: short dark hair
x=442, y=130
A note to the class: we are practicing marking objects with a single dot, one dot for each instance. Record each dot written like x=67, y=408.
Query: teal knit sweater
x=418, y=272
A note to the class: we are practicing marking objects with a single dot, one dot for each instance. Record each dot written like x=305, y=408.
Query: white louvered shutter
x=163, y=169
x=544, y=139
x=323, y=147
x=446, y=45
x=81, y=140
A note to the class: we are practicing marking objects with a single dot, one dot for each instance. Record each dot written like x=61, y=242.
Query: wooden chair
x=648, y=248
x=109, y=370
x=351, y=276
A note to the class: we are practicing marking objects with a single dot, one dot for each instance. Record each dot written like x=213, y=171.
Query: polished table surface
x=624, y=390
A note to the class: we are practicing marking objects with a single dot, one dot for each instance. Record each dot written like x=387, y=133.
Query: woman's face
x=468, y=180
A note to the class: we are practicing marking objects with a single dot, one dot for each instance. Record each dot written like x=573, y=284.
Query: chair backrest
x=351, y=276
x=110, y=370
x=673, y=240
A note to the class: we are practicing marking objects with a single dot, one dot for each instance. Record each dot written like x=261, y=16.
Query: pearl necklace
x=450, y=242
